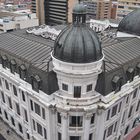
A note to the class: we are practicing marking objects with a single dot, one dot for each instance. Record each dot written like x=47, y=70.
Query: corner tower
x=77, y=57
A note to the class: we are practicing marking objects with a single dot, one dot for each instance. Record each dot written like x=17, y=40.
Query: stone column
x=65, y=126
x=87, y=126
x=52, y=124
x=100, y=124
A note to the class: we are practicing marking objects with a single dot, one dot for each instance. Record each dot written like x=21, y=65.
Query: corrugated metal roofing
x=36, y=50
x=33, y=52
x=120, y=53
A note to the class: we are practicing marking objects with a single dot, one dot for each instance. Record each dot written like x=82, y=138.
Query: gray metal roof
x=35, y=51
x=30, y=51
x=121, y=53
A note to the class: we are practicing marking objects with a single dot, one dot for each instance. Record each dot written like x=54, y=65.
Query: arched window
x=23, y=72
x=36, y=82
x=13, y=66
x=130, y=73
x=14, y=90
x=116, y=83
x=4, y=60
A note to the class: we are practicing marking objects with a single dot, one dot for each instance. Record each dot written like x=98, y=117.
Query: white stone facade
x=101, y=25
x=60, y=116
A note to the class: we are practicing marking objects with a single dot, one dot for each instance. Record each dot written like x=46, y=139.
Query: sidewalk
x=3, y=130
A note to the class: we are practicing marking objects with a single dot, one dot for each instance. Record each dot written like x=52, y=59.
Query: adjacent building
x=75, y=88
x=37, y=6
x=12, y=21
x=60, y=12
x=53, y=12
x=127, y=6
x=102, y=25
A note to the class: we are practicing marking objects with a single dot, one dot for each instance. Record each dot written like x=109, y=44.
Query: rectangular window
x=58, y=118
x=138, y=106
x=120, y=107
x=39, y=129
x=31, y=104
x=108, y=114
x=12, y=121
x=92, y=119
x=114, y=110
x=110, y=129
x=89, y=87
x=3, y=98
x=43, y=113
x=28, y=136
x=135, y=94
x=104, y=135
x=0, y=111
x=59, y=136
x=126, y=130
x=77, y=91
x=76, y=121
x=45, y=133
x=6, y=116
x=23, y=96
x=115, y=126
x=65, y=87
x=15, y=90
x=34, y=126
x=127, y=99
x=37, y=109
x=10, y=102
x=75, y=138
x=20, y=128
x=6, y=85
x=130, y=112
x=17, y=108
x=90, y=136
x=0, y=82
x=26, y=115
x=123, y=116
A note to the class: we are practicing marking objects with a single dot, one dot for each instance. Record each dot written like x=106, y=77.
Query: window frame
x=89, y=88
x=77, y=91
x=64, y=87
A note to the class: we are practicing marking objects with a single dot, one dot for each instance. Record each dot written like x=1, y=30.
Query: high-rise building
x=127, y=6
x=37, y=6
x=114, y=10
x=92, y=91
x=98, y=9
x=60, y=12
x=53, y=11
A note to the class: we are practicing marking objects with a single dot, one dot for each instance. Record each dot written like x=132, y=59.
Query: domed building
x=78, y=43
x=129, y=25
x=78, y=87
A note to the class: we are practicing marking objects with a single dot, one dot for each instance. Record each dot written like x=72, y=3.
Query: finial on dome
x=79, y=14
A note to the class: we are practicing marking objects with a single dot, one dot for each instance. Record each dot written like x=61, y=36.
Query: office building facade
x=127, y=6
